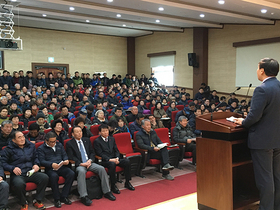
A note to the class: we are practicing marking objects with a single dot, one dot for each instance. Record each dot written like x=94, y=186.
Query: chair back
x=134, y=138
x=123, y=142
x=152, y=110
x=76, y=113
x=31, y=122
x=47, y=130
x=39, y=144
x=163, y=135
x=94, y=129
x=165, y=108
x=65, y=141
x=180, y=107
x=92, y=139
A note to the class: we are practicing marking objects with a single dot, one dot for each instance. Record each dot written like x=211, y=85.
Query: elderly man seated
x=4, y=190
x=6, y=133
x=183, y=133
x=148, y=139
x=21, y=160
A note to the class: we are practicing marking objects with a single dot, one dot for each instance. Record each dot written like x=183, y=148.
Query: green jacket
x=77, y=80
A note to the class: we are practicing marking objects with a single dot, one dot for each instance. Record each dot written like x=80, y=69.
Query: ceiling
x=138, y=17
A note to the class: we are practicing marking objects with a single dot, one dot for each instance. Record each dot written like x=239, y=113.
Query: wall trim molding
x=256, y=42
x=161, y=54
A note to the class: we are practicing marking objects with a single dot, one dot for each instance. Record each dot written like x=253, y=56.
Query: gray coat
x=181, y=134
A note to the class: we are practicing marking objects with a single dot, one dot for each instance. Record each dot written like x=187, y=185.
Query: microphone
x=222, y=102
x=248, y=92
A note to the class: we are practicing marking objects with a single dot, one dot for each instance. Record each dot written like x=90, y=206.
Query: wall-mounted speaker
x=192, y=59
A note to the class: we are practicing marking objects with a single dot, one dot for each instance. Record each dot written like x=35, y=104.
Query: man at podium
x=263, y=122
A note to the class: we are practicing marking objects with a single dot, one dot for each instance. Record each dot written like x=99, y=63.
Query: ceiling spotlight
x=161, y=9
x=44, y=15
x=221, y=2
x=202, y=15
x=13, y=0
x=272, y=13
x=110, y=0
x=118, y=15
x=124, y=25
x=71, y=8
x=157, y=21
x=87, y=21
x=264, y=11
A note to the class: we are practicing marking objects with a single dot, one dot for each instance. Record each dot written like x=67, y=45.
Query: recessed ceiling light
x=124, y=25
x=202, y=15
x=44, y=15
x=272, y=13
x=221, y=1
x=13, y=0
x=72, y=8
x=110, y=0
x=161, y=9
x=118, y=15
x=157, y=21
x=87, y=21
x=264, y=11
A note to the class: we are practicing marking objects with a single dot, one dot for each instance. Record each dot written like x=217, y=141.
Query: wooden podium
x=225, y=177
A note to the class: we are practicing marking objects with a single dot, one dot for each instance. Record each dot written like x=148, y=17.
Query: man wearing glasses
x=52, y=155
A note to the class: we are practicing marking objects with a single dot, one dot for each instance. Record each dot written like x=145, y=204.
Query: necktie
x=106, y=140
x=83, y=153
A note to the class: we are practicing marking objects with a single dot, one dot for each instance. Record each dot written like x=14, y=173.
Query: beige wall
x=222, y=55
x=84, y=52
x=182, y=43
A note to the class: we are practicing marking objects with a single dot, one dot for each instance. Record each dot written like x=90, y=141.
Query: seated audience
x=83, y=114
x=80, y=121
x=99, y=118
x=50, y=155
x=79, y=149
x=112, y=99
x=136, y=125
x=34, y=135
x=57, y=129
x=66, y=114
x=214, y=98
x=13, y=108
x=3, y=114
x=126, y=102
x=148, y=139
x=6, y=133
x=171, y=108
x=233, y=99
x=159, y=111
x=4, y=189
x=48, y=117
x=155, y=123
x=41, y=121
x=132, y=116
x=105, y=147
x=200, y=95
x=188, y=112
x=20, y=157
x=183, y=133
x=34, y=108
x=142, y=107
x=122, y=128
x=65, y=125
x=15, y=120
x=118, y=113
x=183, y=100
x=52, y=108
x=233, y=106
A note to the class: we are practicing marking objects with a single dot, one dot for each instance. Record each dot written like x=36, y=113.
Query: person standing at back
x=263, y=140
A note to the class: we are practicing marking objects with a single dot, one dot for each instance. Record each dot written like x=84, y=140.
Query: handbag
x=94, y=188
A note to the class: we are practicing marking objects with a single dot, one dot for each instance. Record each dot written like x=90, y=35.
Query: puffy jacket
x=181, y=134
x=24, y=158
x=47, y=156
x=144, y=139
x=77, y=80
x=62, y=136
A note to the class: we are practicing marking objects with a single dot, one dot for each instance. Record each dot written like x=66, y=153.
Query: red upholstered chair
x=123, y=141
x=109, y=111
x=148, y=105
x=173, y=116
x=78, y=107
x=76, y=113
x=70, y=132
x=182, y=147
x=91, y=119
x=109, y=117
x=152, y=110
x=65, y=120
x=20, y=115
x=173, y=150
x=144, y=153
x=165, y=108
x=72, y=121
x=180, y=107
x=31, y=122
x=25, y=132
x=47, y=130
x=39, y=144
x=94, y=129
x=21, y=123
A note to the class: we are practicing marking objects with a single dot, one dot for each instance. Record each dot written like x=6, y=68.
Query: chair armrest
x=42, y=168
x=72, y=162
x=7, y=173
x=123, y=154
x=99, y=159
x=144, y=154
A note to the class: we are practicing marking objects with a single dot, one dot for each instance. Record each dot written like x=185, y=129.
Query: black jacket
x=106, y=150
x=4, y=141
x=181, y=134
x=144, y=139
x=25, y=82
x=24, y=158
x=62, y=136
x=47, y=156
x=74, y=153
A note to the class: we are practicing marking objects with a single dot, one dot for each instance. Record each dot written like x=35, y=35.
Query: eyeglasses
x=52, y=142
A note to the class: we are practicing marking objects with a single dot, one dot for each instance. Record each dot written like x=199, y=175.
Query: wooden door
x=46, y=68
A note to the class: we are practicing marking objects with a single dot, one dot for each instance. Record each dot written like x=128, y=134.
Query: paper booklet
x=59, y=166
x=232, y=119
x=30, y=173
x=162, y=145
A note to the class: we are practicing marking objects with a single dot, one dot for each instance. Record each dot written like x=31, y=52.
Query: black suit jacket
x=74, y=153
x=263, y=120
x=102, y=149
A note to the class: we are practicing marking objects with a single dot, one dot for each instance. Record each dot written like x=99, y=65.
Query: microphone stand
x=222, y=102
x=248, y=92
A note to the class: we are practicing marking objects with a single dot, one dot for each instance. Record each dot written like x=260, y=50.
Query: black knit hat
x=40, y=115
